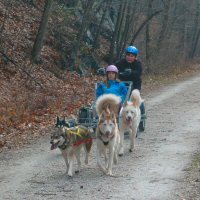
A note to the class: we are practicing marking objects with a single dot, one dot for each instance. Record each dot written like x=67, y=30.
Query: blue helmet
x=132, y=49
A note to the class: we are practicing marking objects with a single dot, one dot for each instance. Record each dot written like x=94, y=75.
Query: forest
x=50, y=51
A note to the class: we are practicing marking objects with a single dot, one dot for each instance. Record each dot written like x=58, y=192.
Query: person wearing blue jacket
x=112, y=85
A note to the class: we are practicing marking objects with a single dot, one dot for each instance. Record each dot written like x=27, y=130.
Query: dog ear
x=57, y=119
x=102, y=117
x=134, y=103
x=113, y=115
x=65, y=121
x=125, y=103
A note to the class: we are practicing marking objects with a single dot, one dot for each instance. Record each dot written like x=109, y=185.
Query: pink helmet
x=112, y=68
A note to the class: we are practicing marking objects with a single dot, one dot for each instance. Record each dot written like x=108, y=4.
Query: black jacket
x=134, y=76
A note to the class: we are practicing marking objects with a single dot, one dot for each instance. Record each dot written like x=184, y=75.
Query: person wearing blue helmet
x=130, y=68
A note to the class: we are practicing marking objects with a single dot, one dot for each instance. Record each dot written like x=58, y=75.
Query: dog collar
x=63, y=146
x=101, y=135
x=105, y=143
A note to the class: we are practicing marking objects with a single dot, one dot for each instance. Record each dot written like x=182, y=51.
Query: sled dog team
x=112, y=125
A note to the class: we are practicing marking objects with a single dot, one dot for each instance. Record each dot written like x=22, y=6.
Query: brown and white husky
x=107, y=131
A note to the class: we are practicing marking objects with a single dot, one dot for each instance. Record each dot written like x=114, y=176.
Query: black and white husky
x=70, y=141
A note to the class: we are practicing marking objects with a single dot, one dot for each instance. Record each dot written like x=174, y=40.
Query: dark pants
x=142, y=108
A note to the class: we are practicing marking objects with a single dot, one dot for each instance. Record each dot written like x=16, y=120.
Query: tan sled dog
x=108, y=138
x=129, y=120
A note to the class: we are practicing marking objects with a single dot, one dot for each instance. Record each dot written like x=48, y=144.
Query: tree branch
x=143, y=24
x=23, y=70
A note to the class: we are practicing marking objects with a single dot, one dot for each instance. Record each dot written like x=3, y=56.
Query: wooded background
x=50, y=50
x=82, y=33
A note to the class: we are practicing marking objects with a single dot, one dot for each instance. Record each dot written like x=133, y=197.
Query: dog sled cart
x=87, y=115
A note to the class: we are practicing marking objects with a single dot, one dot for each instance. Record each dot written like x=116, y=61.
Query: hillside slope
x=31, y=96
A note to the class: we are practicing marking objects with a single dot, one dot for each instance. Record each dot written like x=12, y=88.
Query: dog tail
x=136, y=98
x=108, y=101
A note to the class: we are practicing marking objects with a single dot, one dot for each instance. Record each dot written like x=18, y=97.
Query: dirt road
x=154, y=171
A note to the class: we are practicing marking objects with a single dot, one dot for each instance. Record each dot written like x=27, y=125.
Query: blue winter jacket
x=117, y=88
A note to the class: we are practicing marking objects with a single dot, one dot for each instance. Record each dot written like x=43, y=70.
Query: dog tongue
x=128, y=121
x=52, y=147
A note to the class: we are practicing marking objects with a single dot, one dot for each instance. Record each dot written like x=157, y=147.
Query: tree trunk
x=79, y=39
x=72, y=3
x=143, y=25
x=121, y=25
x=125, y=29
x=129, y=25
x=195, y=36
x=148, y=47
x=106, y=5
x=164, y=25
x=114, y=37
x=41, y=32
x=195, y=44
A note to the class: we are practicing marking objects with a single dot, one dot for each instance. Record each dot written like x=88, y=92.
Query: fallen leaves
x=25, y=108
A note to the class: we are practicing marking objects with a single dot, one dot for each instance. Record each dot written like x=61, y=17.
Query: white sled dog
x=108, y=138
x=70, y=141
x=129, y=120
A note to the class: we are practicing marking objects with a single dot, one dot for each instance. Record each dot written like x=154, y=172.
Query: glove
x=101, y=71
x=127, y=72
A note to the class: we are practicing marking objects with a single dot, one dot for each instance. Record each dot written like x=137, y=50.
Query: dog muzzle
x=54, y=145
x=129, y=120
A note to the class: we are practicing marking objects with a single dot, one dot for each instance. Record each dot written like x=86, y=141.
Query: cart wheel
x=142, y=126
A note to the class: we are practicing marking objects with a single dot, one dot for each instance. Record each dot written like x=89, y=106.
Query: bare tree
x=196, y=31
x=5, y=17
x=116, y=31
x=41, y=32
x=72, y=3
x=125, y=30
x=87, y=18
x=164, y=24
x=129, y=24
x=144, y=24
x=105, y=6
x=147, y=41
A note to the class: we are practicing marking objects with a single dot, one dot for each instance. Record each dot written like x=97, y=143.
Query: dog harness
x=82, y=133
x=63, y=146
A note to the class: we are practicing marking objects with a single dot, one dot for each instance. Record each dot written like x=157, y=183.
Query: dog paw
x=121, y=152
x=86, y=161
x=70, y=174
x=115, y=161
x=110, y=173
